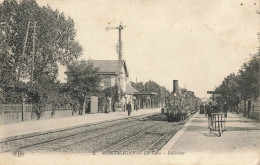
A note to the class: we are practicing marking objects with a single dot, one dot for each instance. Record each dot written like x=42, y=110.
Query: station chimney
x=175, y=86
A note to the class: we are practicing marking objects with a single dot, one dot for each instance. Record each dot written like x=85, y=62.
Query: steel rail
x=92, y=137
x=69, y=136
x=73, y=127
x=72, y=135
x=156, y=142
x=131, y=138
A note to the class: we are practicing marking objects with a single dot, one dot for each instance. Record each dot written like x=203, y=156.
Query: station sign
x=210, y=92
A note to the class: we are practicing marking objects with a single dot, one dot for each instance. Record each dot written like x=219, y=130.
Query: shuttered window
x=107, y=82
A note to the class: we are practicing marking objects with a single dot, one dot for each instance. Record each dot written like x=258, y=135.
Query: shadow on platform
x=213, y=134
x=242, y=129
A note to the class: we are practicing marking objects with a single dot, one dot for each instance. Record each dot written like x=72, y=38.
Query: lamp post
x=24, y=96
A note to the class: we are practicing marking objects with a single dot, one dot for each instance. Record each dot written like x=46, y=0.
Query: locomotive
x=180, y=104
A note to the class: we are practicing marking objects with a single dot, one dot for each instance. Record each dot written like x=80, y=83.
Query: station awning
x=145, y=93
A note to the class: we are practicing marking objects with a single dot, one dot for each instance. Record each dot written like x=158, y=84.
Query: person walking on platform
x=209, y=110
x=225, y=109
x=129, y=108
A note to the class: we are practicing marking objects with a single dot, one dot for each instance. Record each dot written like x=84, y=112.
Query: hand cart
x=217, y=122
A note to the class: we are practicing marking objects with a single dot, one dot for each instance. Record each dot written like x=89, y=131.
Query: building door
x=94, y=104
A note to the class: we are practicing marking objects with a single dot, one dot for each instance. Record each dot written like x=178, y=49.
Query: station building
x=115, y=72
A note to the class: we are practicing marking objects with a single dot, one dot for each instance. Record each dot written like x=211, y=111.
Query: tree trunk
x=248, y=108
x=245, y=108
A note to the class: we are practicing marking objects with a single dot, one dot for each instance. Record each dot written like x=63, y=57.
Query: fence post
x=23, y=108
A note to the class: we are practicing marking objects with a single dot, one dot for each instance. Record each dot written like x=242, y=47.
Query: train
x=180, y=104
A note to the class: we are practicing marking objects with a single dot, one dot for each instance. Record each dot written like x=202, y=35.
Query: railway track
x=9, y=139
x=154, y=143
x=70, y=139
x=150, y=147
x=143, y=133
x=131, y=138
x=108, y=133
x=77, y=133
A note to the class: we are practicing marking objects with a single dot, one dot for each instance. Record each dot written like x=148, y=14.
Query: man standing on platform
x=129, y=108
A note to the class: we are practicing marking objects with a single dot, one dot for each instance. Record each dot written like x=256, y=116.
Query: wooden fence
x=254, y=111
x=12, y=113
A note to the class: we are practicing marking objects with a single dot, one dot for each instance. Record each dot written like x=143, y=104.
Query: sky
x=198, y=43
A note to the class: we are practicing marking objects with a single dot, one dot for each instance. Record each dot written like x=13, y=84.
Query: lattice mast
x=120, y=53
x=120, y=44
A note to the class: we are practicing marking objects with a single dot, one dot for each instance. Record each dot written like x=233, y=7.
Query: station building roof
x=110, y=66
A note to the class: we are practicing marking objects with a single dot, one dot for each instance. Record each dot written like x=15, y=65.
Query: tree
x=138, y=86
x=229, y=91
x=152, y=86
x=111, y=92
x=83, y=80
x=54, y=43
x=248, y=79
x=243, y=86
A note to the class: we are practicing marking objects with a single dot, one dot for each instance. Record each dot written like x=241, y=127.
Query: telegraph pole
x=33, y=50
x=119, y=50
x=24, y=46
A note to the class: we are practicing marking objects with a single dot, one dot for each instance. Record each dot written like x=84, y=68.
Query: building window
x=107, y=82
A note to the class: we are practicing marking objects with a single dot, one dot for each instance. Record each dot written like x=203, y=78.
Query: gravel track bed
x=99, y=137
x=15, y=144
x=102, y=142
x=60, y=143
x=140, y=144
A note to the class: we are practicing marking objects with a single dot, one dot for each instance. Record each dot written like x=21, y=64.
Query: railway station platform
x=239, y=144
x=30, y=127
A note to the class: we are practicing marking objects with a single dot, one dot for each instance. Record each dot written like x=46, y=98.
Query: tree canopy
x=242, y=86
x=152, y=86
x=83, y=79
x=55, y=43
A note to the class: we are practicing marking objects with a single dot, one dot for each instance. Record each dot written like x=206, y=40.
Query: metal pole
x=119, y=61
x=24, y=46
x=33, y=52
x=120, y=27
x=119, y=44
x=23, y=108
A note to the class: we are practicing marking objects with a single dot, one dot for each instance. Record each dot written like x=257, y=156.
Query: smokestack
x=175, y=86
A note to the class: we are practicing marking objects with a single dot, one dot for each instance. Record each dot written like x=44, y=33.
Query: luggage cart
x=217, y=122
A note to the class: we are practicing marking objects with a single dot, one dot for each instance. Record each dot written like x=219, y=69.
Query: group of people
x=210, y=108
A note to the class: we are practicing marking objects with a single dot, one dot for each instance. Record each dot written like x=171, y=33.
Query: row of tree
x=152, y=86
x=242, y=86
